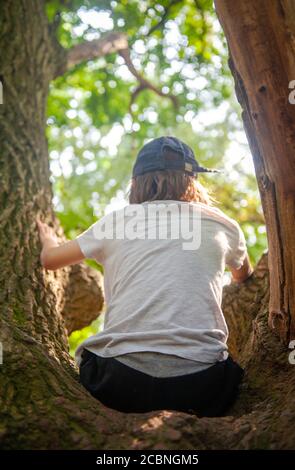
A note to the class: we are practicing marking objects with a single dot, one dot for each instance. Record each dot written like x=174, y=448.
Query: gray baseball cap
x=168, y=153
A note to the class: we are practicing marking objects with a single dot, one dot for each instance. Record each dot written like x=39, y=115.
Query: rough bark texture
x=261, y=39
x=42, y=405
x=83, y=297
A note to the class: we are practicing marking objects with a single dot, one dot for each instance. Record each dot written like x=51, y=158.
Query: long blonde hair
x=168, y=185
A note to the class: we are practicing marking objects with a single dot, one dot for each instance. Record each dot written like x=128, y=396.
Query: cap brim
x=207, y=170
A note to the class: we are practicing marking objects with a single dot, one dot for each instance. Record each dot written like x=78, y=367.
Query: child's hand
x=46, y=233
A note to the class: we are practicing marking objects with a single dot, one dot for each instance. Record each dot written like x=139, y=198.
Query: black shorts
x=209, y=392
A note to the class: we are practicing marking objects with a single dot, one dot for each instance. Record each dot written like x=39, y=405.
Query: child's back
x=164, y=295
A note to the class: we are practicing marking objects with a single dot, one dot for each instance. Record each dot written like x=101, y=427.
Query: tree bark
x=30, y=298
x=42, y=404
x=83, y=297
x=260, y=36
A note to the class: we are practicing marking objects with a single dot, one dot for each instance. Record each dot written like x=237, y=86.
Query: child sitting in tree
x=164, y=341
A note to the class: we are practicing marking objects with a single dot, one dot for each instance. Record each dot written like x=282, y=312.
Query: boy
x=163, y=345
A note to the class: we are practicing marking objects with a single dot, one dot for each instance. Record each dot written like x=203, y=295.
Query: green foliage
x=77, y=337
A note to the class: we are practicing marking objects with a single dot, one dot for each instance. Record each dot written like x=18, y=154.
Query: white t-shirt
x=163, y=294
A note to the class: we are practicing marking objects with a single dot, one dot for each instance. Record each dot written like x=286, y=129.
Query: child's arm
x=54, y=256
x=245, y=271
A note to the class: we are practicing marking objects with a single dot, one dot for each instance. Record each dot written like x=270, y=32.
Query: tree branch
x=143, y=83
x=83, y=296
x=90, y=50
x=164, y=18
x=112, y=42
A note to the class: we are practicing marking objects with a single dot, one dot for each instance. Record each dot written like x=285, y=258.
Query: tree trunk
x=42, y=404
x=260, y=36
